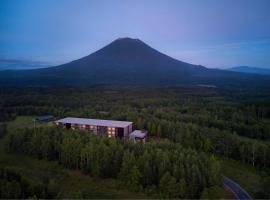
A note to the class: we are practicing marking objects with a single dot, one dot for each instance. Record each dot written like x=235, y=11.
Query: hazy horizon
x=210, y=33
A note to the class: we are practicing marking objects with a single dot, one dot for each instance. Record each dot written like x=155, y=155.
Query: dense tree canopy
x=14, y=185
x=207, y=119
x=165, y=166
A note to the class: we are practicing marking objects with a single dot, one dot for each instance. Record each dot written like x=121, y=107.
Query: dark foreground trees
x=3, y=129
x=14, y=185
x=164, y=167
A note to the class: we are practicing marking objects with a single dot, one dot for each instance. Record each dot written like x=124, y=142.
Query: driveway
x=236, y=189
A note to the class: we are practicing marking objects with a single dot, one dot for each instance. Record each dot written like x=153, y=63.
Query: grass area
x=70, y=183
x=245, y=175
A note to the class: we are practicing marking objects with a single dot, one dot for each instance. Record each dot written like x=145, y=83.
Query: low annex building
x=138, y=136
x=111, y=128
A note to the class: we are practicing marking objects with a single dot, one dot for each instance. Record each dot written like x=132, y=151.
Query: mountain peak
x=127, y=48
x=128, y=39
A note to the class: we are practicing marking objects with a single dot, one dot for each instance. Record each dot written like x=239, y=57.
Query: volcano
x=129, y=62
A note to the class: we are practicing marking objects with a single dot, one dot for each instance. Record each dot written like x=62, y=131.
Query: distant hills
x=253, y=70
x=17, y=64
x=130, y=63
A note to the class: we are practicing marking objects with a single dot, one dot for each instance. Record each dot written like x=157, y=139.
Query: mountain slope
x=128, y=62
x=252, y=70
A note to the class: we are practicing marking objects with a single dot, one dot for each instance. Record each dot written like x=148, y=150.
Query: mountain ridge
x=249, y=69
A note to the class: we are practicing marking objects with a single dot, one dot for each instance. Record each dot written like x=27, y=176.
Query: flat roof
x=138, y=134
x=44, y=117
x=95, y=122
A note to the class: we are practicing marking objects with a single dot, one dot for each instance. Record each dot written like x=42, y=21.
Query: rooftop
x=138, y=134
x=95, y=122
x=44, y=117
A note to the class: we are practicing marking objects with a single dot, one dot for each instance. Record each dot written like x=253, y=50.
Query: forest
x=163, y=166
x=189, y=128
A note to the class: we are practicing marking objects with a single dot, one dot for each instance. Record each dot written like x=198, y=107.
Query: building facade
x=110, y=128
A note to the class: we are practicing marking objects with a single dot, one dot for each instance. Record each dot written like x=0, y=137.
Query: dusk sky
x=213, y=33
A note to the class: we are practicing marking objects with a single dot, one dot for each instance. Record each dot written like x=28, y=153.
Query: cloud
x=15, y=64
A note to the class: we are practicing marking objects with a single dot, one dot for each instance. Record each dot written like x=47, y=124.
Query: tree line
x=213, y=140
x=162, y=168
x=244, y=113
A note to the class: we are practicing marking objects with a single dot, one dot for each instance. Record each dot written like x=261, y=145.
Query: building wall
x=139, y=140
x=109, y=131
x=129, y=128
x=125, y=131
